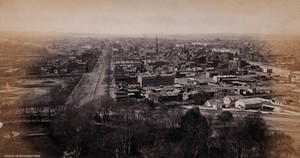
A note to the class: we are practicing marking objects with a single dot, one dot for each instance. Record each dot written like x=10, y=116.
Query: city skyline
x=143, y=17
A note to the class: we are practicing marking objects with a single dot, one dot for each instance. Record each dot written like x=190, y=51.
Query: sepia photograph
x=149, y=78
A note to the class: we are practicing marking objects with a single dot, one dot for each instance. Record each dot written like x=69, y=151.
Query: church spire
x=156, y=44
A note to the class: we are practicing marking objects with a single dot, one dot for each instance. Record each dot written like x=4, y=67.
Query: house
x=209, y=74
x=214, y=103
x=230, y=100
x=168, y=96
x=267, y=70
x=249, y=103
x=189, y=95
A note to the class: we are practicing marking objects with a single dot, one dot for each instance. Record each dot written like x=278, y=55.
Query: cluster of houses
x=240, y=102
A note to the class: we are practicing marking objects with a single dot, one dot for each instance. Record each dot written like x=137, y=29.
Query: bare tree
x=173, y=117
x=104, y=106
x=249, y=137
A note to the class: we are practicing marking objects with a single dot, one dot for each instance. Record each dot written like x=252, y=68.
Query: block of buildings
x=155, y=80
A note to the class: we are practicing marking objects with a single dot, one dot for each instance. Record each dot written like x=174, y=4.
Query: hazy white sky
x=151, y=16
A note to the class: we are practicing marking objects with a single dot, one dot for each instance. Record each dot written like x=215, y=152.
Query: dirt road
x=91, y=84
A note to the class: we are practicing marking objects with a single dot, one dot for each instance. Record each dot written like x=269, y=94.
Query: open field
x=288, y=124
x=33, y=89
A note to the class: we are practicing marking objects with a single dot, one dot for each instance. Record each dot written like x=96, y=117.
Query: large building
x=249, y=103
x=155, y=80
x=219, y=78
x=236, y=63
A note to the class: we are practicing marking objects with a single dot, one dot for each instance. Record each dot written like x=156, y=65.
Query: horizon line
x=149, y=34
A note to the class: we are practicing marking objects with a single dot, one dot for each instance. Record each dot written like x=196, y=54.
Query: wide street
x=91, y=84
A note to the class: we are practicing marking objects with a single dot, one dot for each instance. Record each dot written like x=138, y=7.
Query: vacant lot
x=13, y=94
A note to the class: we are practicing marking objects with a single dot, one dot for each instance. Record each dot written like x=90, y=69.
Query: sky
x=151, y=16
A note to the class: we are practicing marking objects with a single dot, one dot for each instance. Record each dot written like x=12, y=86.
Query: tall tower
x=156, y=43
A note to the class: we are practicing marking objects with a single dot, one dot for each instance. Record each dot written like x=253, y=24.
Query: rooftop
x=251, y=101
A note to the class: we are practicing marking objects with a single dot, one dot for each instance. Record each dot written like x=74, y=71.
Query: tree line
x=103, y=128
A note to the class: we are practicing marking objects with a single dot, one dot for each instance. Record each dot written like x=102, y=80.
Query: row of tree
x=108, y=79
x=126, y=130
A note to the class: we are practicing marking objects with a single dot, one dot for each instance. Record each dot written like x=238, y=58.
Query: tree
x=256, y=135
x=104, y=106
x=108, y=71
x=74, y=131
x=109, y=58
x=38, y=107
x=201, y=97
x=33, y=106
x=249, y=137
x=173, y=117
x=57, y=99
x=37, y=111
x=195, y=129
x=233, y=141
x=226, y=117
x=164, y=149
x=108, y=81
x=208, y=138
x=128, y=126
